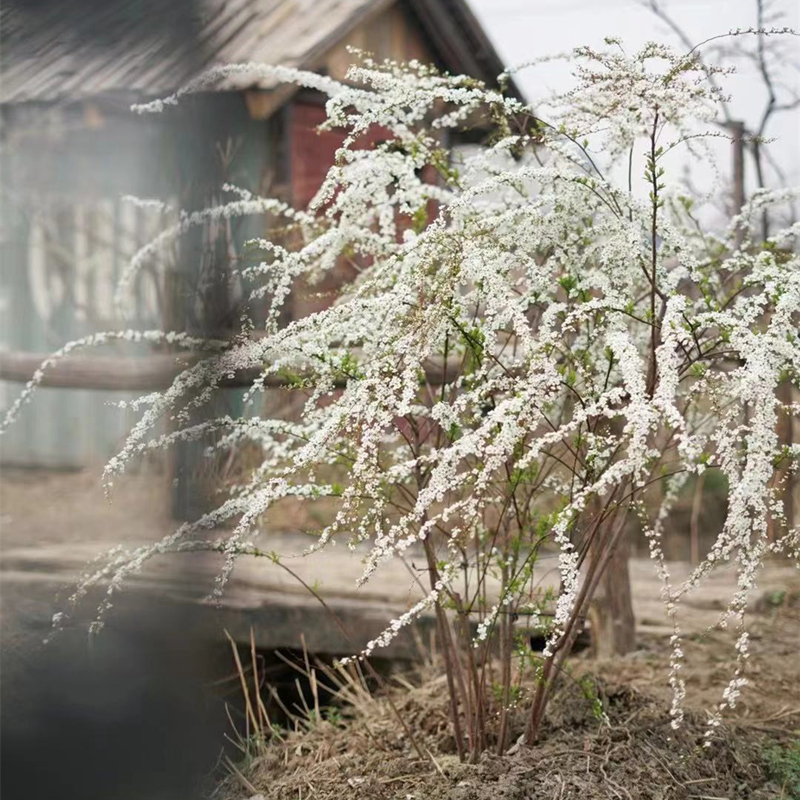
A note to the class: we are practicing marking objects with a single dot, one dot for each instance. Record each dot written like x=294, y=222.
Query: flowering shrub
x=533, y=355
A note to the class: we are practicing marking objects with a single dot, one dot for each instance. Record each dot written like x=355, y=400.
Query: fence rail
x=147, y=373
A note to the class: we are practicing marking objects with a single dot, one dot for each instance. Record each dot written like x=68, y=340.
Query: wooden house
x=71, y=149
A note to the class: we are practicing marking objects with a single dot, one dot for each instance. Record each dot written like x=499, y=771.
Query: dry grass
x=358, y=750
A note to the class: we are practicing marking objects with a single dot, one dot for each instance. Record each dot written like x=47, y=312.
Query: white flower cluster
x=528, y=353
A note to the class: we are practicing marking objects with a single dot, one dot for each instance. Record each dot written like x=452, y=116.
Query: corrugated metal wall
x=67, y=234
x=60, y=267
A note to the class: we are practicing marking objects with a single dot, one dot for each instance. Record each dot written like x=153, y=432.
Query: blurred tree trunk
x=613, y=630
x=613, y=627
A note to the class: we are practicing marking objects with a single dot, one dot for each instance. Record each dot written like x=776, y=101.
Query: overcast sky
x=526, y=29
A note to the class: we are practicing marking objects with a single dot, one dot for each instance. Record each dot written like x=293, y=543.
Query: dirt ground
x=53, y=523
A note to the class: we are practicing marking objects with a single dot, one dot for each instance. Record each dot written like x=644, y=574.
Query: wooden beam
x=147, y=373
x=263, y=103
x=96, y=372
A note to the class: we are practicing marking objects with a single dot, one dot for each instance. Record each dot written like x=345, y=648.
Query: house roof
x=56, y=50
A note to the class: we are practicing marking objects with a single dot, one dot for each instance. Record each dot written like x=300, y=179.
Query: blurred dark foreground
x=125, y=715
